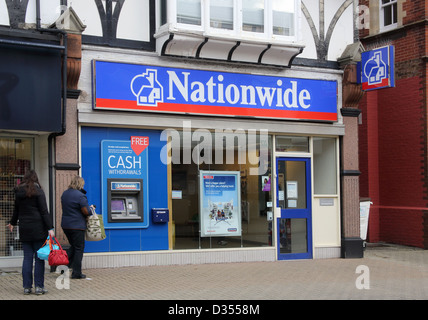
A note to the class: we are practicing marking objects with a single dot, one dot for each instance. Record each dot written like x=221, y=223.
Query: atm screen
x=117, y=205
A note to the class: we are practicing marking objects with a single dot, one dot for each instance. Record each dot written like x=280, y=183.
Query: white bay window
x=255, y=31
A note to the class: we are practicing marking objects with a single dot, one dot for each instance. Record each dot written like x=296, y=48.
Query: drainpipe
x=53, y=135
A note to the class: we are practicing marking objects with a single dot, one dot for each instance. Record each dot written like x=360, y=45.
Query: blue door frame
x=295, y=213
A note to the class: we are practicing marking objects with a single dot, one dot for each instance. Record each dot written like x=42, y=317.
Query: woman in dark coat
x=75, y=209
x=35, y=224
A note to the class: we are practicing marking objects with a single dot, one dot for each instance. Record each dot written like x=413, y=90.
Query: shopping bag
x=57, y=257
x=43, y=252
x=95, y=227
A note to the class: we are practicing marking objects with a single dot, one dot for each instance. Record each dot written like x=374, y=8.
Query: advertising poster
x=220, y=203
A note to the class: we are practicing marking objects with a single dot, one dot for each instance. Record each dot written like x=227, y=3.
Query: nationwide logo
x=375, y=69
x=125, y=186
x=217, y=90
x=147, y=89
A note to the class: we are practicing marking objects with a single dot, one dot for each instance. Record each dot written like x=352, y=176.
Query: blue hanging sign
x=132, y=87
x=377, y=68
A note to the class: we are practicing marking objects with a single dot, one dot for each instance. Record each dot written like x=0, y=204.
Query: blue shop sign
x=132, y=87
x=377, y=68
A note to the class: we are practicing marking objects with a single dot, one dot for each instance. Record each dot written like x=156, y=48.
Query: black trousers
x=76, y=238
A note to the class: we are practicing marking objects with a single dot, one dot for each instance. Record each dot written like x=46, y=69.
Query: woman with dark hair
x=35, y=224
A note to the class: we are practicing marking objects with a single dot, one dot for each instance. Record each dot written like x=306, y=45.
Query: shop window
x=205, y=214
x=388, y=14
x=325, y=166
x=292, y=144
x=15, y=160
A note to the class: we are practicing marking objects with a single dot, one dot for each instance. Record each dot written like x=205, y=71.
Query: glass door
x=294, y=199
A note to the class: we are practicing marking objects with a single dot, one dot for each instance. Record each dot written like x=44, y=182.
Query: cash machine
x=125, y=200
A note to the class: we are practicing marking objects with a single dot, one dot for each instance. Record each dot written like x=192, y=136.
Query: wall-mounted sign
x=220, y=203
x=377, y=68
x=124, y=180
x=121, y=86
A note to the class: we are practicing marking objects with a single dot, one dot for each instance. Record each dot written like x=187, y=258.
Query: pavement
x=387, y=272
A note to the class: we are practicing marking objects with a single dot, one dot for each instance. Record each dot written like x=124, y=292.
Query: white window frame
x=381, y=15
x=237, y=33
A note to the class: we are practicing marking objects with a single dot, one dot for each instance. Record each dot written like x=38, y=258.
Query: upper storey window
x=388, y=14
x=255, y=31
x=241, y=19
x=189, y=12
x=253, y=16
x=222, y=14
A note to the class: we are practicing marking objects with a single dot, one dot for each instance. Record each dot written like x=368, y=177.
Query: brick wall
x=392, y=162
x=393, y=137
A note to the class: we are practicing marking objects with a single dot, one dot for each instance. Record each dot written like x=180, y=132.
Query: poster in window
x=220, y=203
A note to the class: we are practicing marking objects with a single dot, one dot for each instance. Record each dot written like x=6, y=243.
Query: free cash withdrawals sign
x=220, y=203
x=125, y=159
x=132, y=87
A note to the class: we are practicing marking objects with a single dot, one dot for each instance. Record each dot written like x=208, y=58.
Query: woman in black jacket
x=35, y=224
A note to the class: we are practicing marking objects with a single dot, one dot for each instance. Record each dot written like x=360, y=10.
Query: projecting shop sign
x=132, y=87
x=377, y=68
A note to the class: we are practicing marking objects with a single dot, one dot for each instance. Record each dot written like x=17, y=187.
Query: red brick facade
x=393, y=135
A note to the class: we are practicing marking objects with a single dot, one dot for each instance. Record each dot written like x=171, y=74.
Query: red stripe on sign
x=215, y=110
x=384, y=83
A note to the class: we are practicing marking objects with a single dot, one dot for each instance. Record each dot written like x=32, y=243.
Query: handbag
x=95, y=227
x=57, y=257
x=43, y=252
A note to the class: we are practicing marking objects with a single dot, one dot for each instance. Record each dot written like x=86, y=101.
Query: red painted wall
x=393, y=135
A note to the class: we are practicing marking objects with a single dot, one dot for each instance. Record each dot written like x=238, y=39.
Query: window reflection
x=292, y=144
x=221, y=14
x=283, y=17
x=293, y=236
x=189, y=12
x=253, y=15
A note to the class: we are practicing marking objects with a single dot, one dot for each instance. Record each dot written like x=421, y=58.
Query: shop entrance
x=294, y=200
x=16, y=157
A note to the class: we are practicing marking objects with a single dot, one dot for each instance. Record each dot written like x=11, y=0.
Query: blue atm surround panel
x=125, y=235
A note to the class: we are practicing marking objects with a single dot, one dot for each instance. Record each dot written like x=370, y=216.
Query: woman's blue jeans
x=30, y=255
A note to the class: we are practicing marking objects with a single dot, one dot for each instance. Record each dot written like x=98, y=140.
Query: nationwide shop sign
x=377, y=68
x=220, y=203
x=132, y=87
